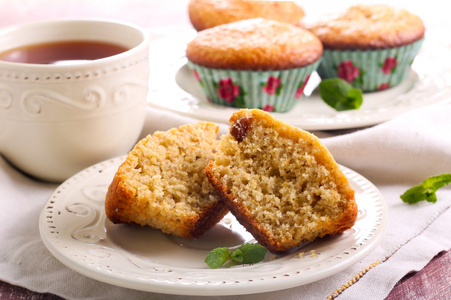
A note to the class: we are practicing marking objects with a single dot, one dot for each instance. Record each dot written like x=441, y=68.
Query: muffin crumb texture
x=162, y=182
x=281, y=183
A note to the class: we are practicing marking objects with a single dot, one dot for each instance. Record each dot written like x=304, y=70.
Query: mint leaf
x=426, y=190
x=237, y=256
x=217, y=257
x=249, y=254
x=339, y=94
x=245, y=254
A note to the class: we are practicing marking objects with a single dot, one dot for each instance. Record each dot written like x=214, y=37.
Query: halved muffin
x=280, y=182
x=162, y=183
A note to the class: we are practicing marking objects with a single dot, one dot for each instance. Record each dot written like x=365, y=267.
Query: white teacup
x=56, y=120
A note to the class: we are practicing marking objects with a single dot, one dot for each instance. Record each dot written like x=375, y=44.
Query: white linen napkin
x=394, y=156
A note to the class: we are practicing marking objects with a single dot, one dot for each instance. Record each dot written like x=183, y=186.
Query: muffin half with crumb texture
x=280, y=182
x=162, y=183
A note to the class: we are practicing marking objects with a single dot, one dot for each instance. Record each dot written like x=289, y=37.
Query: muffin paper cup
x=275, y=91
x=369, y=70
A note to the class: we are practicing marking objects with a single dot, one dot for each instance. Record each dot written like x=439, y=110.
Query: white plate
x=173, y=87
x=76, y=231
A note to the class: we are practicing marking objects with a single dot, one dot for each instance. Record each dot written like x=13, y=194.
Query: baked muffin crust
x=254, y=44
x=209, y=13
x=363, y=27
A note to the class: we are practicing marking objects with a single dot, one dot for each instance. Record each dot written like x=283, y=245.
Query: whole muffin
x=254, y=63
x=209, y=13
x=370, y=46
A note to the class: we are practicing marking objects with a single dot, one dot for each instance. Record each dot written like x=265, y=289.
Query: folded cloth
x=394, y=156
x=405, y=150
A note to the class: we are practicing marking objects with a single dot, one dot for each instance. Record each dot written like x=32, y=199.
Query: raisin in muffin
x=254, y=63
x=370, y=46
x=162, y=183
x=204, y=14
x=280, y=182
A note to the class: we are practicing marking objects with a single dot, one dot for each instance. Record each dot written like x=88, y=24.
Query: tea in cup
x=72, y=93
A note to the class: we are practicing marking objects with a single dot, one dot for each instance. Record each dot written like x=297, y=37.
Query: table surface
x=166, y=17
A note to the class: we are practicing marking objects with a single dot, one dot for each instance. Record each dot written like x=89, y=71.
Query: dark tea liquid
x=66, y=52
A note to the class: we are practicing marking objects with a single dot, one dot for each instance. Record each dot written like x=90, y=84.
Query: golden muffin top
x=254, y=44
x=368, y=27
x=208, y=13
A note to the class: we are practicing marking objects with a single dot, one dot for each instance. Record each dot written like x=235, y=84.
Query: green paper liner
x=370, y=75
x=249, y=89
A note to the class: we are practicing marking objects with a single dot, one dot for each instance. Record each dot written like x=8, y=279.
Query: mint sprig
x=248, y=254
x=426, y=190
x=339, y=94
x=217, y=257
x=245, y=254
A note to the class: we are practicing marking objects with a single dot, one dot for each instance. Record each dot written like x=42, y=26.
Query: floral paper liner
x=274, y=91
x=369, y=70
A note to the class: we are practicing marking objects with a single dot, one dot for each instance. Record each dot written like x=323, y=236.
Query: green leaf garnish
x=249, y=254
x=426, y=190
x=245, y=254
x=339, y=94
x=217, y=257
x=237, y=256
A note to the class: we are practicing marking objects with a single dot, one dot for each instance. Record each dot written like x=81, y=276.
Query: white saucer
x=174, y=88
x=76, y=231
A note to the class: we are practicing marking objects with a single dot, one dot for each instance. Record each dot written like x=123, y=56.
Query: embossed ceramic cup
x=56, y=120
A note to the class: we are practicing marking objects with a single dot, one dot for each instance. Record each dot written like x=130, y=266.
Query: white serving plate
x=76, y=231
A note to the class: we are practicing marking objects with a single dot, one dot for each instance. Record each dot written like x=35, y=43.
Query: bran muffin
x=162, y=183
x=254, y=63
x=204, y=14
x=370, y=46
x=280, y=182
